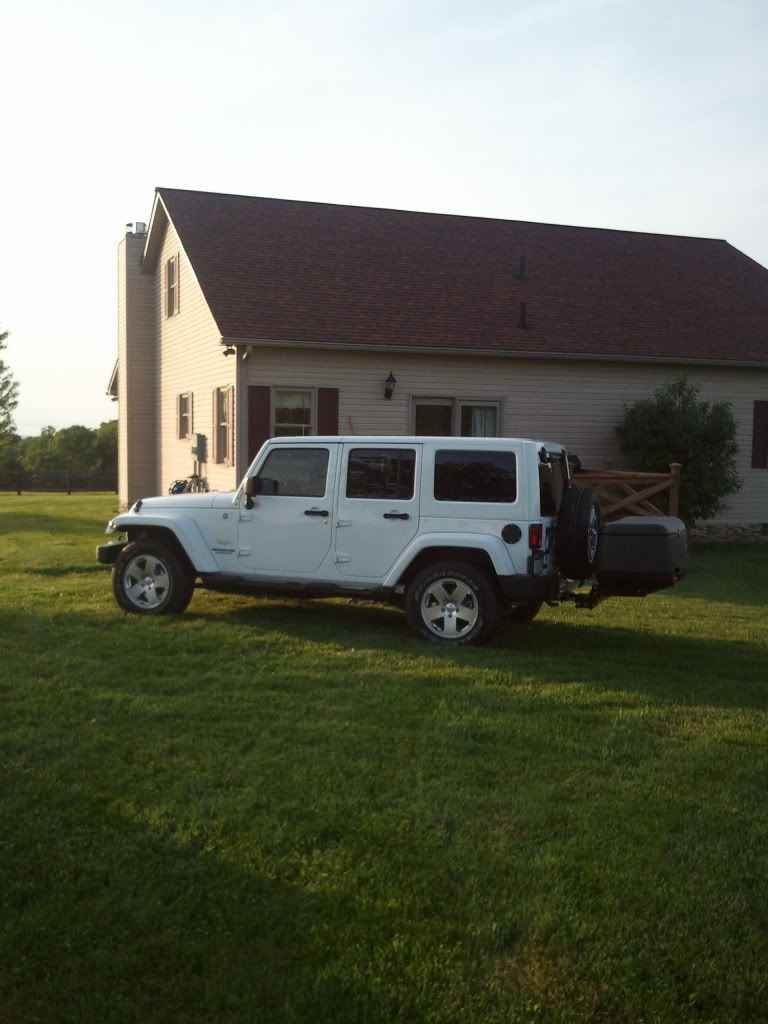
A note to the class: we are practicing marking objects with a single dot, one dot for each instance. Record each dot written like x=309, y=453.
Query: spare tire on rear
x=578, y=532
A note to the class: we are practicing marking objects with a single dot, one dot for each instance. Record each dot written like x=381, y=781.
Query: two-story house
x=243, y=318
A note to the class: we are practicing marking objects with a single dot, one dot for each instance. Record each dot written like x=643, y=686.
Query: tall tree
x=105, y=448
x=9, y=392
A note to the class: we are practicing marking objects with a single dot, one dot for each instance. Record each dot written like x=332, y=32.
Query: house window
x=291, y=412
x=172, y=286
x=760, y=436
x=433, y=417
x=446, y=417
x=479, y=419
x=184, y=415
x=223, y=417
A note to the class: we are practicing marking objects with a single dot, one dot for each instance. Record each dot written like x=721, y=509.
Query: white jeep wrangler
x=456, y=530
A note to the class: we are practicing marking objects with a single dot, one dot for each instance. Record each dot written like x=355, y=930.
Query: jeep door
x=378, y=506
x=289, y=529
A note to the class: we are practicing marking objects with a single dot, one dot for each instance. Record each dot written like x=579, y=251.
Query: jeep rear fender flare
x=494, y=547
x=184, y=529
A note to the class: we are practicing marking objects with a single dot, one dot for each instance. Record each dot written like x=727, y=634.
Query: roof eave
x=112, y=386
x=158, y=221
x=580, y=357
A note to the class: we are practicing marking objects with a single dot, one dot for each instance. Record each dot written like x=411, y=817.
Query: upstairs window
x=172, y=286
x=184, y=415
x=223, y=419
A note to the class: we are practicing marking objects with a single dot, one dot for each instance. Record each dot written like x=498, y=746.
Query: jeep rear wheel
x=149, y=579
x=452, y=604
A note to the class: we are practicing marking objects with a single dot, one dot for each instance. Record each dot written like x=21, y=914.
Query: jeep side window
x=475, y=476
x=552, y=483
x=295, y=472
x=386, y=473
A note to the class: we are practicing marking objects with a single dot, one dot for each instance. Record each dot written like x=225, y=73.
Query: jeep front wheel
x=148, y=579
x=452, y=604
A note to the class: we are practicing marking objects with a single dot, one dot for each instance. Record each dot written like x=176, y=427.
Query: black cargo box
x=640, y=554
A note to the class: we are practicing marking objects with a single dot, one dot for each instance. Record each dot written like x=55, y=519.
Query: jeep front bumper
x=107, y=553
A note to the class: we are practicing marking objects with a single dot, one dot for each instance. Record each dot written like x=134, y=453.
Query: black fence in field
x=63, y=482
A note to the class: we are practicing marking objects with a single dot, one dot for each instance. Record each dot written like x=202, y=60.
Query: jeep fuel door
x=378, y=507
x=289, y=528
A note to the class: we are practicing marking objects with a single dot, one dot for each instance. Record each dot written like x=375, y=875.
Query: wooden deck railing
x=625, y=493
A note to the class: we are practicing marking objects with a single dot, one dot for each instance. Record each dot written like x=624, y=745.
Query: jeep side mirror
x=256, y=485
x=252, y=487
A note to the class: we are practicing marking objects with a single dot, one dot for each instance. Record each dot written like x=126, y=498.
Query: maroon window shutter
x=760, y=436
x=259, y=425
x=327, y=410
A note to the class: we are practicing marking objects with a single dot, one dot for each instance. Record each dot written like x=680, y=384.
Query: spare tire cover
x=578, y=532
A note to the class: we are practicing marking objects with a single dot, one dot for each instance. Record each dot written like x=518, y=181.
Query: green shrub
x=676, y=425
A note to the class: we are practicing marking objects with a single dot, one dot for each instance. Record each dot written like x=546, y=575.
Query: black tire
x=578, y=533
x=150, y=579
x=523, y=612
x=469, y=619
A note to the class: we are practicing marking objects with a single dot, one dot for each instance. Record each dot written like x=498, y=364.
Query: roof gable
x=320, y=274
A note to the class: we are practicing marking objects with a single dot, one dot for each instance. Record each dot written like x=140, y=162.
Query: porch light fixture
x=389, y=386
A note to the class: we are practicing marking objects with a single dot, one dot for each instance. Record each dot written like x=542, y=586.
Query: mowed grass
x=280, y=811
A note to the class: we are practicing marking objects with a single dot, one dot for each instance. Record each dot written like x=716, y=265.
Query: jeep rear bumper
x=530, y=588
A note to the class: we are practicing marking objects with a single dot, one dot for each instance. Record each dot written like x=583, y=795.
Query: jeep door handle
x=396, y=515
x=316, y=512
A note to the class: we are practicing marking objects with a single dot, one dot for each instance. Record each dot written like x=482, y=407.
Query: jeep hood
x=184, y=502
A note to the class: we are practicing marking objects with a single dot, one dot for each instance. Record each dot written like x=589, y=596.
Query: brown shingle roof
x=320, y=273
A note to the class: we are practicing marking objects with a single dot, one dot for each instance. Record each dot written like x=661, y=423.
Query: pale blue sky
x=650, y=116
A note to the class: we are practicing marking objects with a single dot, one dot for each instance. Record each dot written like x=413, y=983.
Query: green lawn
x=280, y=811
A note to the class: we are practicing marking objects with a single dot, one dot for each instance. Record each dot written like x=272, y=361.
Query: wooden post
x=674, y=490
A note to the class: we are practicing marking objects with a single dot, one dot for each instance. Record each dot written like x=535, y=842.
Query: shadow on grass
x=728, y=573
x=45, y=522
x=605, y=657
x=584, y=651
x=69, y=570
x=105, y=922
x=150, y=890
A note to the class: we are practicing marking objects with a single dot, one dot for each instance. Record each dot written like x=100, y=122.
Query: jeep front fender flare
x=184, y=529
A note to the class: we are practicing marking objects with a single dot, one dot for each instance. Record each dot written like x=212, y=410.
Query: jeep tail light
x=535, y=535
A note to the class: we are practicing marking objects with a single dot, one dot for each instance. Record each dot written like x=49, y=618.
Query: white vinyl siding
x=578, y=403
x=190, y=360
x=137, y=432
